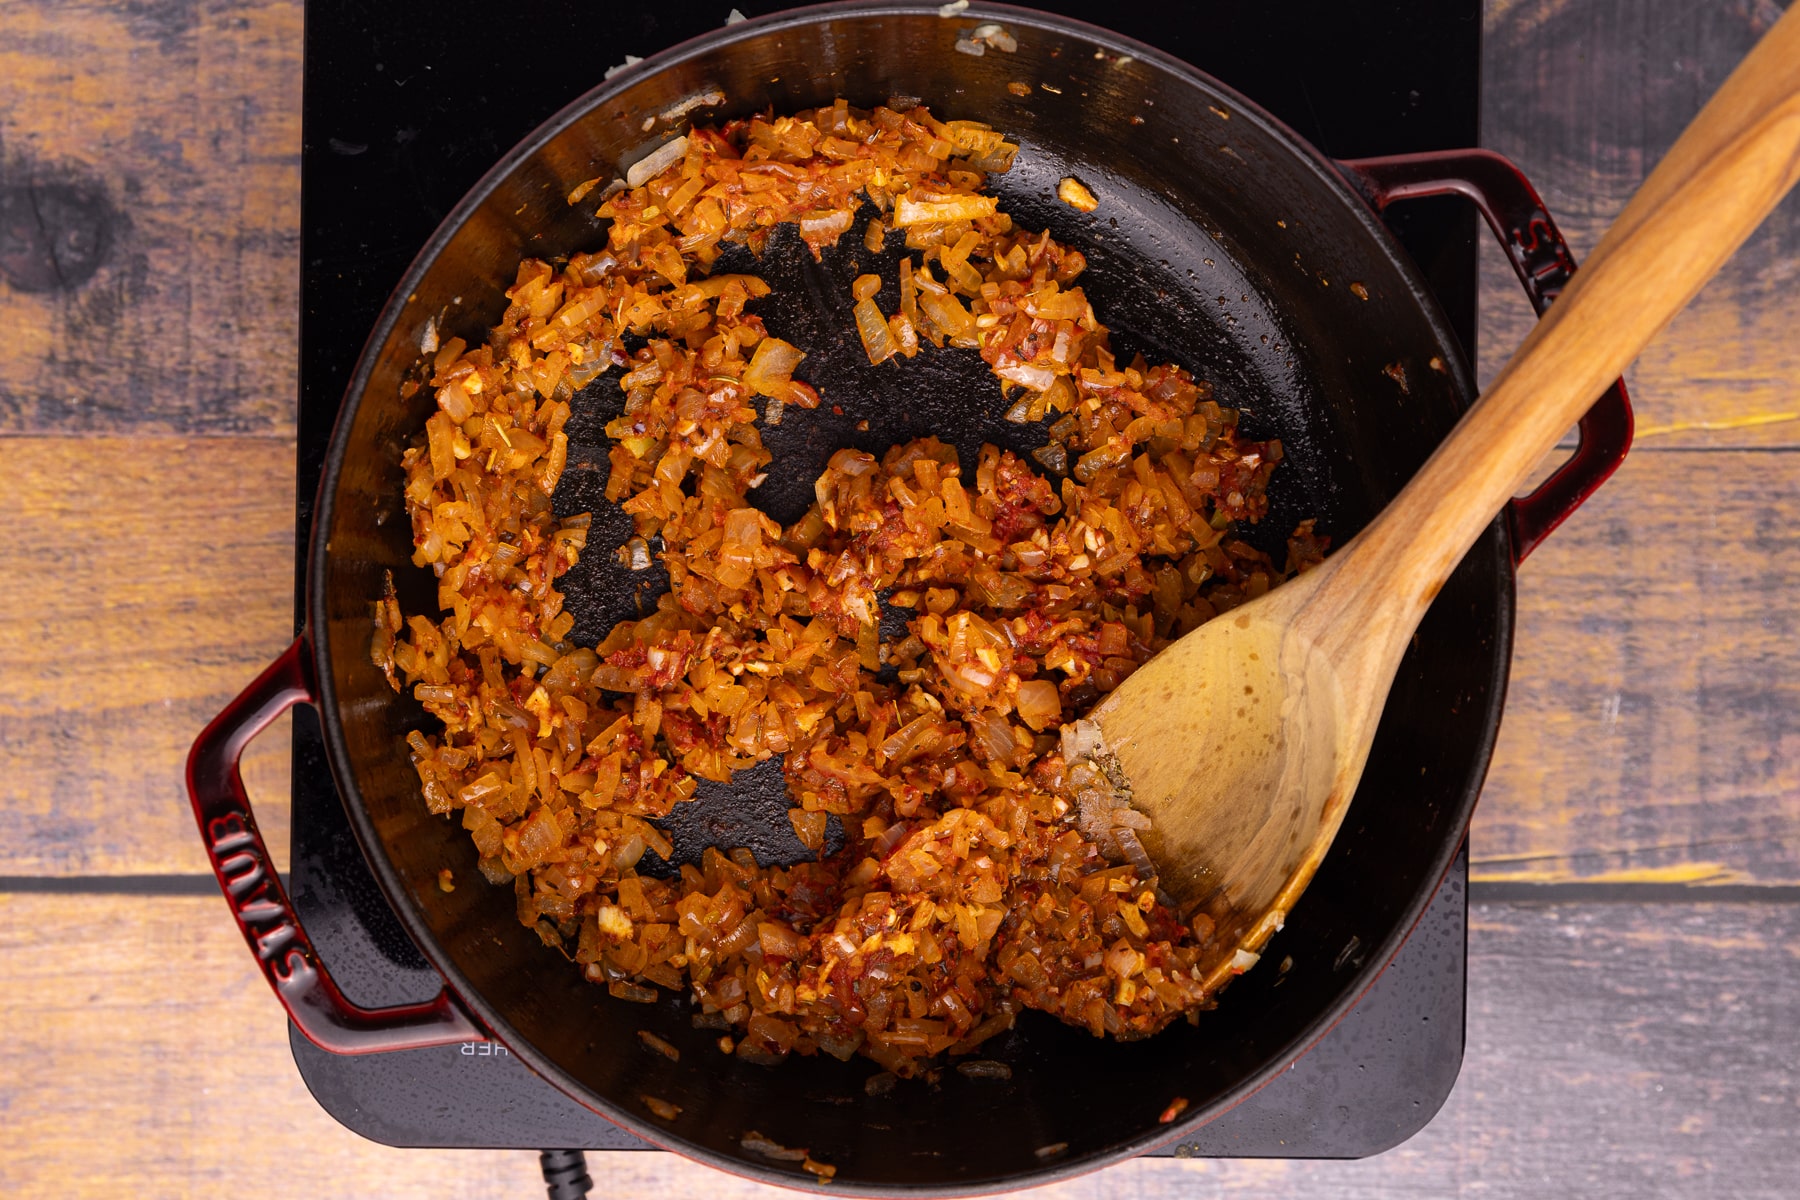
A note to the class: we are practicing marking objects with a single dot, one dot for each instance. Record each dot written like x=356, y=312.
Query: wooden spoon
x=1244, y=741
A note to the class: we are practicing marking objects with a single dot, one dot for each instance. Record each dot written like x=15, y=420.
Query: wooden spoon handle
x=1728, y=170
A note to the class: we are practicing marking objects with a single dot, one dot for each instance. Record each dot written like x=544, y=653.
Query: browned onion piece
x=756, y=1143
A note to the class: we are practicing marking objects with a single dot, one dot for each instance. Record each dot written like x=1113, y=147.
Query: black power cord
x=565, y=1174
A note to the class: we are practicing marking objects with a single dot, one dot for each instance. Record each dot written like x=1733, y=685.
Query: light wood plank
x=1613, y=1051
x=1652, y=728
x=1586, y=96
x=148, y=581
x=168, y=136
x=160, y=1067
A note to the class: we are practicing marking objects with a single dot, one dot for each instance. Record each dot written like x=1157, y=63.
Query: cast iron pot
x=1223, y=242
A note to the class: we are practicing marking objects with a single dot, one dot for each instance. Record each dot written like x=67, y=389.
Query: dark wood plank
x=1613, y=1051
x=149, y=173
x=148, y=580
x=1586, y=96
x=161, y=1068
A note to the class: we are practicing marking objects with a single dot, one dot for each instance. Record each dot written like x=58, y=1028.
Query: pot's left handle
x=260, y=902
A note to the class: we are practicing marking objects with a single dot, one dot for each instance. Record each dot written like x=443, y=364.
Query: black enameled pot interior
x=1220, y=242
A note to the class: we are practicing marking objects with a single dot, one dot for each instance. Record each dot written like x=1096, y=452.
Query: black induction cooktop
x=407, y=104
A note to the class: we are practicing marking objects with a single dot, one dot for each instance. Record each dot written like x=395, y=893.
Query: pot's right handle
x=1536, y=248
x=264, y=914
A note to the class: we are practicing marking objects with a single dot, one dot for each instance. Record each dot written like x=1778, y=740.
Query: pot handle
x=253, y=889
x=1536, y=248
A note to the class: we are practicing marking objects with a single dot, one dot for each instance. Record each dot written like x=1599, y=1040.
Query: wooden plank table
x=1634, y=971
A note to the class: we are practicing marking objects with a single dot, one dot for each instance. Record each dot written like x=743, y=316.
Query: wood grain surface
x=172, y=561
x=150, y=160
x=1586, y=96
x=1652, y=726
x=1613, y=1050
